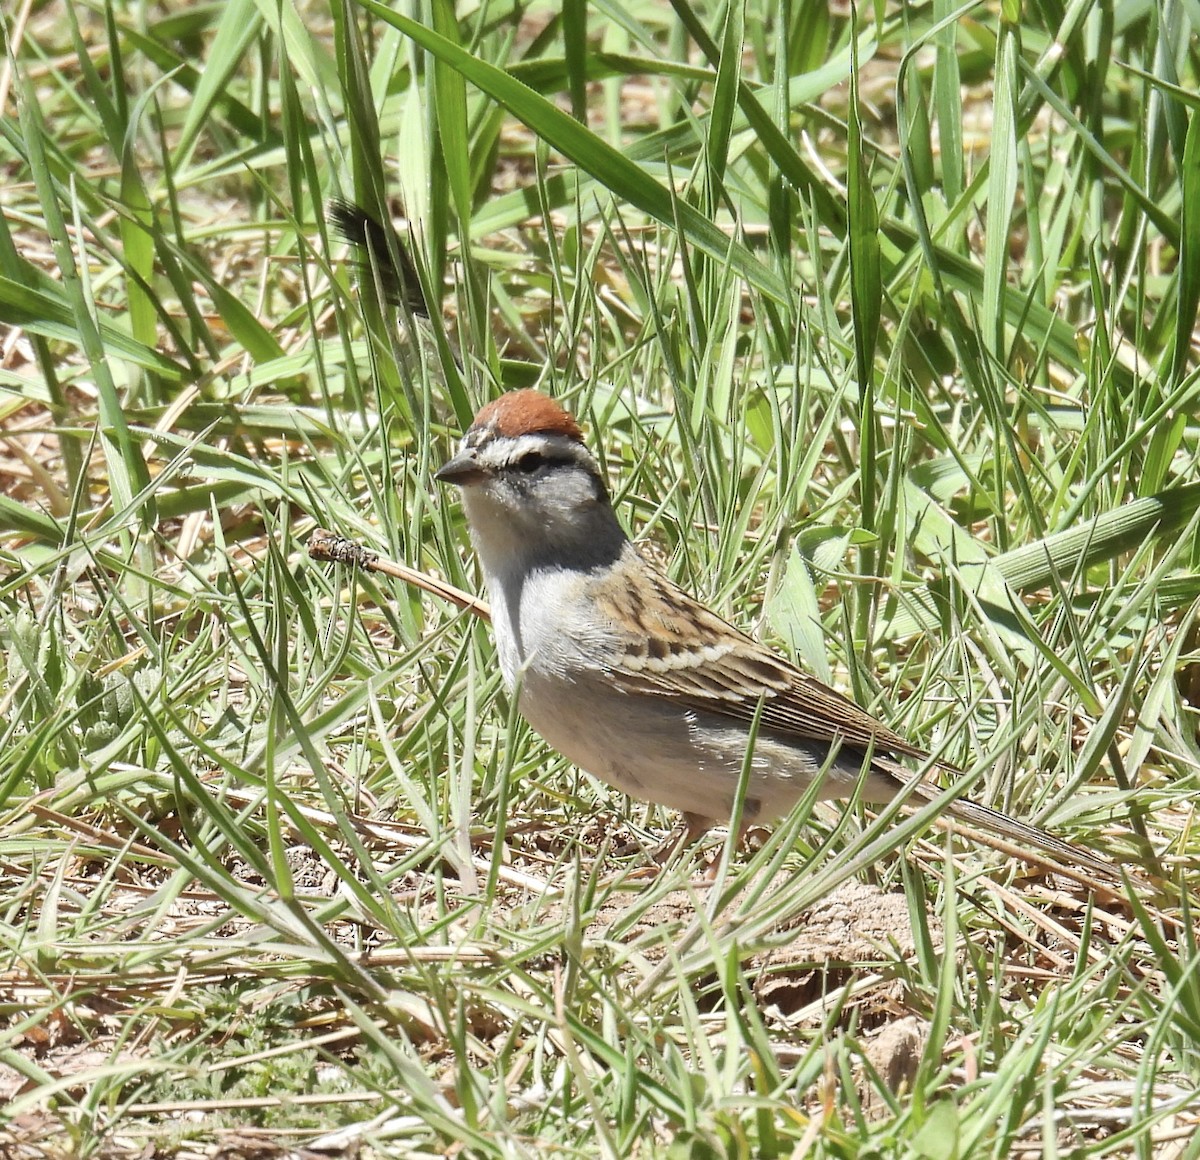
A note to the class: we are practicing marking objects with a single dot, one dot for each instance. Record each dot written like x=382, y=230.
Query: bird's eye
x=530, y=462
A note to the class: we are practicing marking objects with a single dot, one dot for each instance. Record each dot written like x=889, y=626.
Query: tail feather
x=1009, y=835
x=1026, y=837
x=398, y=275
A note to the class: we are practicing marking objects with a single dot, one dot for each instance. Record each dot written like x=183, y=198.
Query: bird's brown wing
x=672, y=646
x=675, y=647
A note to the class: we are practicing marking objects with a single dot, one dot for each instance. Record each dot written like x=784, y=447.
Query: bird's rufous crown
x=526, y=412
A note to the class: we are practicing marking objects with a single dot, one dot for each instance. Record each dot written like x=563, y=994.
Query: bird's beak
x=462, y=470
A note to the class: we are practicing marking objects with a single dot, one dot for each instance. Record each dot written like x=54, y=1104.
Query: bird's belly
x=665, y=753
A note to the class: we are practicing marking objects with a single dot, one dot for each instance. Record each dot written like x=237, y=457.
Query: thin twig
x=329, y=547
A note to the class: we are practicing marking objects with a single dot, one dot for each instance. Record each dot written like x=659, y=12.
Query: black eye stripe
x=531, y=461
x=537, y=458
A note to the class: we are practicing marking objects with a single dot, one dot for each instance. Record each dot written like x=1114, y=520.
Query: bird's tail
x=1027, y=842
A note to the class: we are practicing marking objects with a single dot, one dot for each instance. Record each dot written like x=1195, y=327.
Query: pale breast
x=643, y=743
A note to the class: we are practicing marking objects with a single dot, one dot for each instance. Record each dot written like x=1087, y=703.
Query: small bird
x=637, y=682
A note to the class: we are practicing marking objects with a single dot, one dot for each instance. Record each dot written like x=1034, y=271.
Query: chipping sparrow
x=635, y=681
x=617, y=667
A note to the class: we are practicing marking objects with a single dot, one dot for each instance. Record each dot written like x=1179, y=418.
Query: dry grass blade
x=329, y=547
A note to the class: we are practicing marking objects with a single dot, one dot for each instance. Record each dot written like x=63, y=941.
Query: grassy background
x=884, y=328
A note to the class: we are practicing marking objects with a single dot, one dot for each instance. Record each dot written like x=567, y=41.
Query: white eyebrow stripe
x=509, y=450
